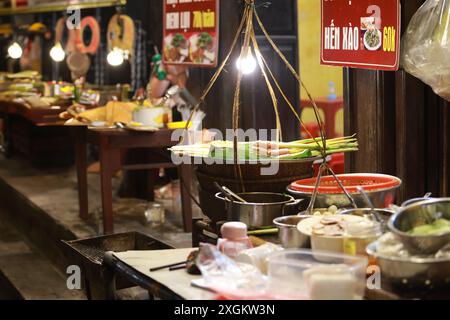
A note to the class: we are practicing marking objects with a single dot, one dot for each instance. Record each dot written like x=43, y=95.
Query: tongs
x=323, y=167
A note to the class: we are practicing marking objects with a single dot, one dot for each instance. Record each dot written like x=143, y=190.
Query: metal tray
x=89, y=253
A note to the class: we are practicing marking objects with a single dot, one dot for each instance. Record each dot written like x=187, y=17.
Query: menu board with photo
x=191, y=32
x=361, y=33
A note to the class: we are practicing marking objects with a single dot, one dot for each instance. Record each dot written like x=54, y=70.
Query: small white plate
x=141, y=128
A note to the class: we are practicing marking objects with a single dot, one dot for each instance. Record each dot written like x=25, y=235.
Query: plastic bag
x=426, y=46
x=230, y=279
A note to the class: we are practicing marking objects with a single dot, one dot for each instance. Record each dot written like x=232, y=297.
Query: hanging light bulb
x=57, y=53
x=15, y=50
x=115, y=57
x=246, y=63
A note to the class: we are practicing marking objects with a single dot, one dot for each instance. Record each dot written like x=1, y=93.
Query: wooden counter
x=36, y=133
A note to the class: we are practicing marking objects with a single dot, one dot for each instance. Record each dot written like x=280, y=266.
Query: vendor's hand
x=177, y=75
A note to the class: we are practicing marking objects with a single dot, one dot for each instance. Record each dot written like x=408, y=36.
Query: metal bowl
x=409, y=202
x=381, y=198
x=288, y=233
x=412, y=273
x=385, y=214
x=418, y=214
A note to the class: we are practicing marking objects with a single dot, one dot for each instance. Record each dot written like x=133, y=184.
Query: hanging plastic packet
x=426, y=46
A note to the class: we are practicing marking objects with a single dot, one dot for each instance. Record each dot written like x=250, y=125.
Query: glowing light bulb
x=246, y=64
x=57, y=53
x=15, y=51
x=115, y=57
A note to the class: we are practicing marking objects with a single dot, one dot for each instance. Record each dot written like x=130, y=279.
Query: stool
x=330, y=108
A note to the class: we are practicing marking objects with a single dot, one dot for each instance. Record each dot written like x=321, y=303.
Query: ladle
x=371, y=206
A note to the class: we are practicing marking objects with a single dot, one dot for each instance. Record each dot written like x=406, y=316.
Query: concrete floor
x=25, y=273
x=39, y=208
x=55, y=192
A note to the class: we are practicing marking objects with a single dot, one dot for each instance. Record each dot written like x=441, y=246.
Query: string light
x=115, y=57
x=246, y=64
x=57, y=53
x=15, y=51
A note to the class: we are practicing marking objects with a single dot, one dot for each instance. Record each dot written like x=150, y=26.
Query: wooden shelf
x=60, y=6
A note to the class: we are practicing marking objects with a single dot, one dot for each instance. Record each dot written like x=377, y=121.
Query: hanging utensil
x=373, y=212
x=79, y=64
x=234, y=195
x=309, y=210
x=121, y=33
x=227, y=195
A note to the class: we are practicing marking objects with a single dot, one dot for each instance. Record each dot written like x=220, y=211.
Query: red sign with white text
x=191, y=32
x=361, y=34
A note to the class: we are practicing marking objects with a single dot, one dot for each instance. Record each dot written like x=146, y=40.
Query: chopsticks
x=171, y=267
x=263, y=232
x=180, y=267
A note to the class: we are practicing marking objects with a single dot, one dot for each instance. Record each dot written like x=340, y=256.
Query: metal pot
x=261, y=208
x=288, y=233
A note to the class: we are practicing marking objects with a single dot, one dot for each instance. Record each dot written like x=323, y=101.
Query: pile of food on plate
x=129, y=115
x=105, y=116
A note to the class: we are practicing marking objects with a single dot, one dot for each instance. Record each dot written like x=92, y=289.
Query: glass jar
x=359, y=234
x=155, y=214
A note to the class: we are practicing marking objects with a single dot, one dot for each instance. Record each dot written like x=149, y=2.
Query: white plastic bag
x=229, y=278
x=426, y=46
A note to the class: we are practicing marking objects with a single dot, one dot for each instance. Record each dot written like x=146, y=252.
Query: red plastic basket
x=329, y=185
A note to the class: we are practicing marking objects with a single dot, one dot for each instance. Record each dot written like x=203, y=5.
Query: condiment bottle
x=234, y=239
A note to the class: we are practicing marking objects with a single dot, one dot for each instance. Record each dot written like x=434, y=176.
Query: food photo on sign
x=297, y=159
x=191, y=31
x=371, y=34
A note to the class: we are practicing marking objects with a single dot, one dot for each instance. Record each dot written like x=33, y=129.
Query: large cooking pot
x=261, y=208
x=224, y=175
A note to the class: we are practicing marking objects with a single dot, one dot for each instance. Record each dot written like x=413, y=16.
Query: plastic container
x=258, y=256
x=234, y=239
x=331, y=91
x=359, y=235
x=329, y=185
x=302, y=275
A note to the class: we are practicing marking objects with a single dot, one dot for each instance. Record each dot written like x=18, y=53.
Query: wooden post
x=402, y=126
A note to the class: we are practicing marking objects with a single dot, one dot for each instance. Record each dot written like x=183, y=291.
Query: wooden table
x=38, y=116
x=38, y=133
x=164, y=284
x=111, y=142
x=171, y=285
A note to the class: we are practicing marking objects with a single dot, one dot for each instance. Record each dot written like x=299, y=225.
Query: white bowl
x=149, y=117
x=325, y=243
